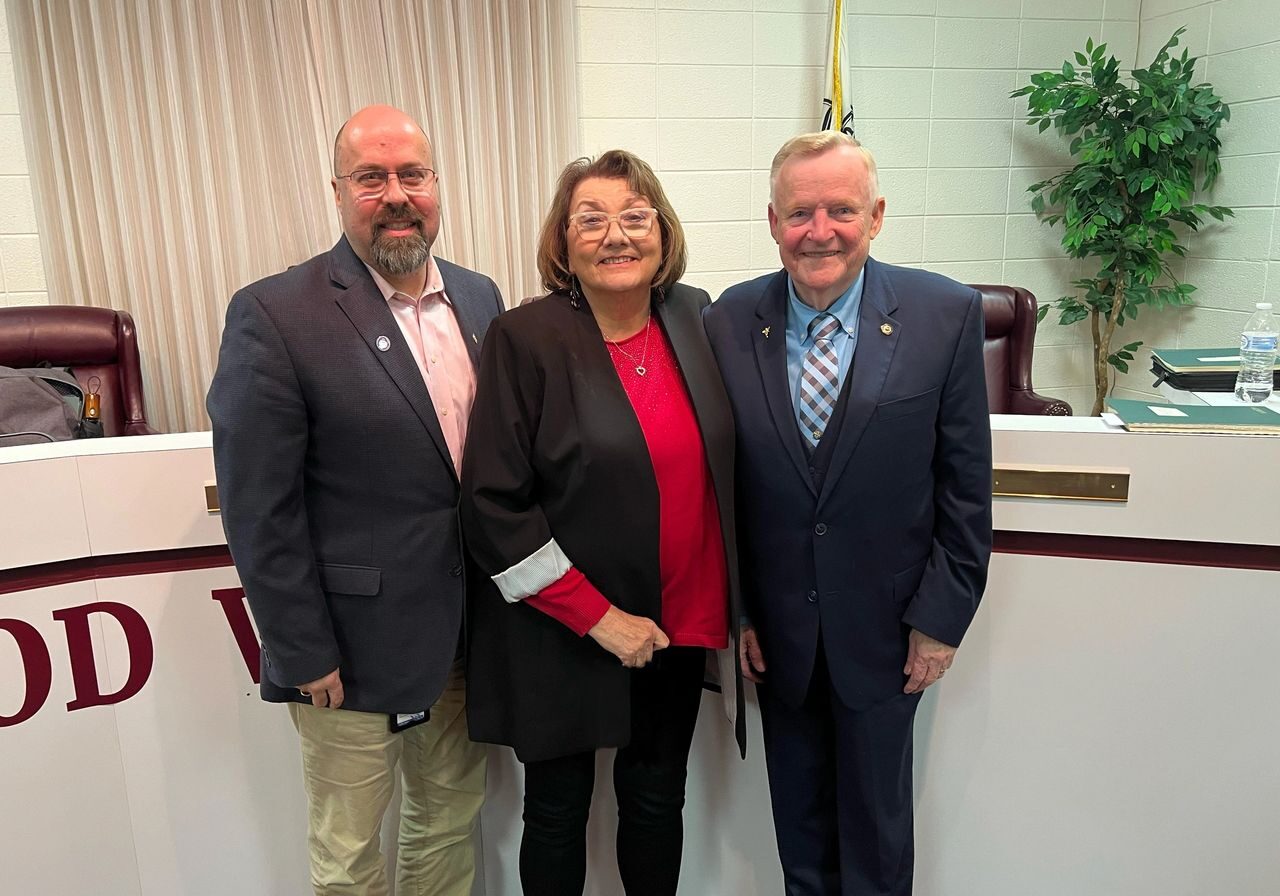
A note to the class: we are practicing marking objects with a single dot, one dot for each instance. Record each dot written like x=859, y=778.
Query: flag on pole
x=837, y=104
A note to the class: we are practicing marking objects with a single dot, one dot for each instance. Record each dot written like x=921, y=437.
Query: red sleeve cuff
x=573, y=601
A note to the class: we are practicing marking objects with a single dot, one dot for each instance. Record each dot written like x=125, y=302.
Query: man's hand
x=750, y=657
x=632, y=639
x=928, y=659
x=324, y=692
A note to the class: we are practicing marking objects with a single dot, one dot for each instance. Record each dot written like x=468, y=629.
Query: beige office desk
x=1108, y=728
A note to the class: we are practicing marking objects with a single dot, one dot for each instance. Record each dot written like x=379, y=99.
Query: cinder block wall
x=706, y=90
x=1238, y=263
x=21, y=269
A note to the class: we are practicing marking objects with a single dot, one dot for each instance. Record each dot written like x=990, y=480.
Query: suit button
x=456, y=571
x=820, y=529
x=813, y=597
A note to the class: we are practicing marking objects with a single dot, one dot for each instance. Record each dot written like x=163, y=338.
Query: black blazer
x=555, y=451
x=899, y=535
x=338, y=495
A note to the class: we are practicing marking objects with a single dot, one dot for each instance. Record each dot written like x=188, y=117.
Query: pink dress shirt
x=437, y=343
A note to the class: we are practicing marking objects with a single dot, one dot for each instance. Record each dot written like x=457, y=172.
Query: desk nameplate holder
x=1007, y=482
x=1060, y=484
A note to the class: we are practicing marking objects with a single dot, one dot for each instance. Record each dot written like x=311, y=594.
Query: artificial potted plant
x=1140, y=144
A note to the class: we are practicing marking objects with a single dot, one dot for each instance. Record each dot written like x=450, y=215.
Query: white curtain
x=182, y=148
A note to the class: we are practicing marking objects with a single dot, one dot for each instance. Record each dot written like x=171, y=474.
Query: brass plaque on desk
x=1066, y=485
x=211, y=497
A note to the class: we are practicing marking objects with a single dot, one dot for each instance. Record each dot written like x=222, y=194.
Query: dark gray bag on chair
x=41, y=404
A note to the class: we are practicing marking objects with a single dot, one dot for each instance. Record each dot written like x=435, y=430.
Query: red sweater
x=695, y=579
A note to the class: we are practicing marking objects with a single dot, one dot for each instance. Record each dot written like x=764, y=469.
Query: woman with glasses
x=597, y=494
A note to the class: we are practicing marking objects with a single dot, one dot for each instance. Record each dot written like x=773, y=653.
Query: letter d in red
x=84, y=668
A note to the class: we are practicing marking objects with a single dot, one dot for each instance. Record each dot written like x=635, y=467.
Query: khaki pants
x=348, y=760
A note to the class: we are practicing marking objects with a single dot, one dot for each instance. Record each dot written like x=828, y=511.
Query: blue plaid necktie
x=819, y=378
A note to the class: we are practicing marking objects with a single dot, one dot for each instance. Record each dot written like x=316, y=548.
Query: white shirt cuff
x=543, y=567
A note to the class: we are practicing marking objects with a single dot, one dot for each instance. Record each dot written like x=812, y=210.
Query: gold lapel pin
x=765, y=331
x=886, y=329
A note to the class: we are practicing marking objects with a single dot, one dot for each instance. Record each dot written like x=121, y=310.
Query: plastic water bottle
x=1257, y=356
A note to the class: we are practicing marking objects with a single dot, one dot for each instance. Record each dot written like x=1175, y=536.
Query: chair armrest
x=1032, y=403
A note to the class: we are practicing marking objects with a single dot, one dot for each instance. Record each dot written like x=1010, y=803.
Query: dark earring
x=575, y=297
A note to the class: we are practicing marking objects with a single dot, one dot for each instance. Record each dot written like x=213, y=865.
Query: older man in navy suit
x=339, y=415
x=864, y=511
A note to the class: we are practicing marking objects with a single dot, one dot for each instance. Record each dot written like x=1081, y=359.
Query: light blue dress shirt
x=799, y=315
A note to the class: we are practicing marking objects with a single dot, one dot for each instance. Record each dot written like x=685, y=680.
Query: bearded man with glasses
x=339, y=414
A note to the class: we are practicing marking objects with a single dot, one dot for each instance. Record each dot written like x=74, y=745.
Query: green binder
x=1150, y=416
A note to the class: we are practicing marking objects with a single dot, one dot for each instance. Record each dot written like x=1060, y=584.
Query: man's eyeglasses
x=370, y=182
x=634, y=222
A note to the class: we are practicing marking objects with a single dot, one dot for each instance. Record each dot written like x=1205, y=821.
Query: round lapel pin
x=383, y=343
x=886, y=329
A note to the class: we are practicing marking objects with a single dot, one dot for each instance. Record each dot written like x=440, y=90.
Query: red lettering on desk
x=84, y=671
x=37, y=662
x=37, y=669
x=232, y=600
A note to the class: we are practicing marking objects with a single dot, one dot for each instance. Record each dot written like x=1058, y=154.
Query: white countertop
x=178, y=441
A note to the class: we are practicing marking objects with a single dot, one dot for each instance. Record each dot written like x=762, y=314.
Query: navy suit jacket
x=900, y=534
x=339, y=498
